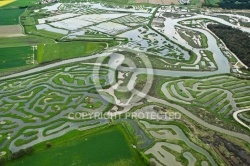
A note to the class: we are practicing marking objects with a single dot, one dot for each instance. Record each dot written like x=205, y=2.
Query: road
x=235, y=115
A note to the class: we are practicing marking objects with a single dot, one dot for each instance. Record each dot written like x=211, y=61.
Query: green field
x=10, y=16
x=11, y=57
x=107, y=147
x=66, y=50
x=31, y=29
x=23, y=41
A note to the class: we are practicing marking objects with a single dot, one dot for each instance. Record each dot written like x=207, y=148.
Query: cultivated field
x=10, y=16
x=59, y=51
x=5, y=2
x=86, y=150
x=11, y=31
x=13, y=57
x=18, y=3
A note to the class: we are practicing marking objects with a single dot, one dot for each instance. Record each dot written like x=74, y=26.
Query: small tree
x=48, y=144
x=29, y=150
x=2, y=160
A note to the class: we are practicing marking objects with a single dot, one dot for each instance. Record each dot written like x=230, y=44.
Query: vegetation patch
x=232, y=4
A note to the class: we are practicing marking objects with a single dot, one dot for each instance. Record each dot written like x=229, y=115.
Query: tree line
x=230, y=4
x=235, y=39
